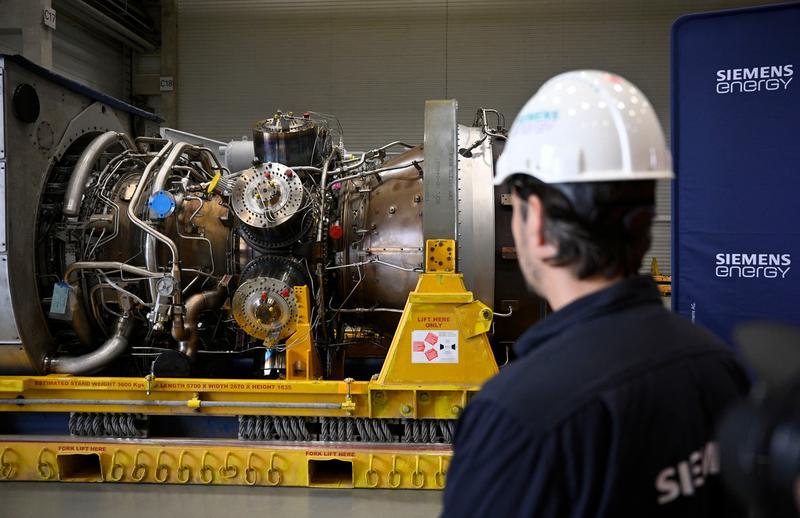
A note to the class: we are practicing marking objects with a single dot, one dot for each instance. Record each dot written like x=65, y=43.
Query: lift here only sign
x=434, y=346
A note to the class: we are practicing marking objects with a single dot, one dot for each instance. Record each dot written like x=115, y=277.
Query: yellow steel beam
x=224, y=462
x=188, y=396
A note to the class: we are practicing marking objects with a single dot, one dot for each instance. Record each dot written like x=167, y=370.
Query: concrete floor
x=62, y=500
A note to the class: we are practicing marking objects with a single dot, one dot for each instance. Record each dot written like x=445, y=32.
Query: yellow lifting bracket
x=442, y=333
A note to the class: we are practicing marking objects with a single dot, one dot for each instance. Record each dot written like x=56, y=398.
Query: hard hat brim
x=593, y=176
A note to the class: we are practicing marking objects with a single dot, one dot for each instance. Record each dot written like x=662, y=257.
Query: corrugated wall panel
x=89, y=58
x=373, y=63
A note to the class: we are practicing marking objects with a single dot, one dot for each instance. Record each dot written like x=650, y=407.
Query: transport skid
x=405, y=391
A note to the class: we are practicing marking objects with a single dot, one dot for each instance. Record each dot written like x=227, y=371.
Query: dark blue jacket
x=609, y=411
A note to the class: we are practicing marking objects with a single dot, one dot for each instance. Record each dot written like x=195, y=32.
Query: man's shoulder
x=554, y=381
x=529, y=393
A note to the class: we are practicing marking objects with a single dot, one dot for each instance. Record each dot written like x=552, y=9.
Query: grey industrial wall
x=374, y=62
x=79, y=53
x=90, y=58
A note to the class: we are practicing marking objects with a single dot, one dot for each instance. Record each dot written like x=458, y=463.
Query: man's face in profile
x=524, y=221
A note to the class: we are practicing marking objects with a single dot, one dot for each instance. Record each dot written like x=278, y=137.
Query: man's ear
x=535, y=229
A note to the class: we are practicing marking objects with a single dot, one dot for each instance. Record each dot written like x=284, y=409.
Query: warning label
x=434, y=347
x=81, y=448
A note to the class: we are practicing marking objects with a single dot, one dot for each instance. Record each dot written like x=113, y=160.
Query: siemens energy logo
x=754, y=79
x=753, y=266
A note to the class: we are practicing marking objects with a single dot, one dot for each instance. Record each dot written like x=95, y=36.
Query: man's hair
x=599, y=228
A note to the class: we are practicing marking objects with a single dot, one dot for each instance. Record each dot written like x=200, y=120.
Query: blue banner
x=736, y=151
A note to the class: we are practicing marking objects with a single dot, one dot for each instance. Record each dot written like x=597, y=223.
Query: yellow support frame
x=151, y=461
x=409, y=386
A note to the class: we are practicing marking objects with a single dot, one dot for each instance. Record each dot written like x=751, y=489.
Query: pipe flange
x=267, y=196
x=265, y=308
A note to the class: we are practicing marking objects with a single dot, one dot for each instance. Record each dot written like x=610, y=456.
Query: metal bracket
x=439, y=183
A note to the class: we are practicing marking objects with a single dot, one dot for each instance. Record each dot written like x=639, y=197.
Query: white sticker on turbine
x=434, y=347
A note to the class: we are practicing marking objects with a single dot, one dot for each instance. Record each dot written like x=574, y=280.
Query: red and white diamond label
x=434, y=347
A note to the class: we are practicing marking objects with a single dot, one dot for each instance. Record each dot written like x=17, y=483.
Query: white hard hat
x=586, y=126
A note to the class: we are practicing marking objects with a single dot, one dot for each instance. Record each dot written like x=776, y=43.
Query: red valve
x=289, y=173
x=285, y=292
x=335, y=231
x=263, y=296
x=306, y=115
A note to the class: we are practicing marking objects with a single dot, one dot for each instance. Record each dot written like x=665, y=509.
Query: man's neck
x=564, y=288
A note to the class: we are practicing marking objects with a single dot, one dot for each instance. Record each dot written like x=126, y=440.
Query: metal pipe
x=108, y=265
x=97, y=359
x=354, y=166
x=158, y=184
x=213, y=157
x=374, y=261
x=371, y=153
x=195, y=305
x=307, y=168
x=510, y=312
x=150, y=256
x=120, y=289
x=80, y=321
x=171, y=403
x=151, y=260
x=413, y=163
x=166, y=168
x=178, y=328
x=322, y=185
x=272, y=404
x=395, y=143
x=82, y=170
x=320, y=270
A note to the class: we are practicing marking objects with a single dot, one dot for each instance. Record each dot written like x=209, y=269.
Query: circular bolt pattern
x=261, y=310
x=267, y=196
